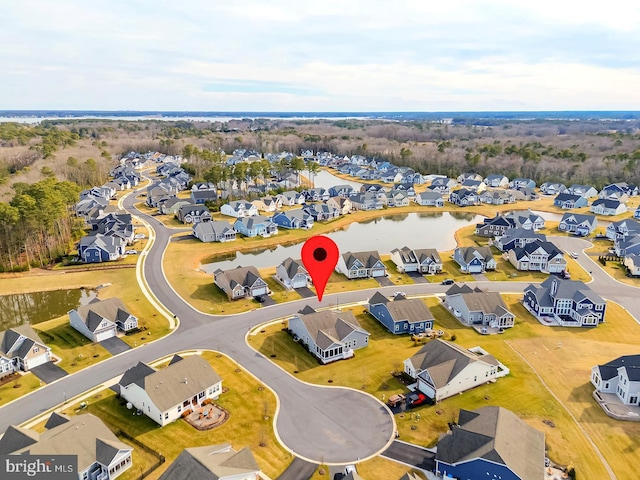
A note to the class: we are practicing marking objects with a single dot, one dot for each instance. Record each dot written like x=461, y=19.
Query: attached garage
x=255, y=291
x=34, y=360
x=378, y=272
x=103, y=335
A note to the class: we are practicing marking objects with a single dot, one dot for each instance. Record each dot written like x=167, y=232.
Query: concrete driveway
x=49, y=372
x=115, y=345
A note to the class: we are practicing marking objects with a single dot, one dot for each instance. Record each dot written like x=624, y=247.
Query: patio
x=207, y=417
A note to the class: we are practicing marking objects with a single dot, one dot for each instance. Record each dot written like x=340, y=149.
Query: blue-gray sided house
x=495, y=180
x=344, y=191
x=629, y=245
x=292, y=274
x=540, y=256
x=193, y=214
x=568, y=201
x=199, y=197
x=464, y=198
x=517, y=237
x=493, y=227
x=361, y=265
x=293, y=219
x=578, y=224
x=240, y=282
x=481, y=310
x=604, y=206
x=551, y=188
x=101, y=320
x=321, y=212
x=254, y=226
x=622, y=229
x=519, y=183
x=566, y=303
x=429, y=199
x=214, y=231
x=328, y=335
x=491, y=443
x=474, y=259
x=101, y=248
x=401, y=314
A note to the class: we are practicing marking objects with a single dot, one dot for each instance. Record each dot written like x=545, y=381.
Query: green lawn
x=247, y=404
x=521, y=391
x=16, y=388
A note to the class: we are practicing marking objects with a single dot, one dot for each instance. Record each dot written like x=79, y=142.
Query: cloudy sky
x=327, y=55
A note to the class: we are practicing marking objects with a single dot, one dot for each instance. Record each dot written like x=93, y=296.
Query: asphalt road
x=321, y=424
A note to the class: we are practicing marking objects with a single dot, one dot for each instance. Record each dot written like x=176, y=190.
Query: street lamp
x=65, y=397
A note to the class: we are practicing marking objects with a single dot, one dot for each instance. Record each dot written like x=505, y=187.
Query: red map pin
x=319, y=256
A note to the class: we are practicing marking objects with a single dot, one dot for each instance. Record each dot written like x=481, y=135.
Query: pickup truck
x=395, y=400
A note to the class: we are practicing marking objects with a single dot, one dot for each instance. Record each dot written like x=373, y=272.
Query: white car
x=573, y=255
x=138, y=236
x=131, y=252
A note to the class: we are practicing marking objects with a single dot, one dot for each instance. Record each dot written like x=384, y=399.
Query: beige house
x=343, y=205
x=101, y=456
x=21, y=349
x=164, y=395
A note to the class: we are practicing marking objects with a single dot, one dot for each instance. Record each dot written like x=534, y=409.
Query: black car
x=448, y=281
x=259, y=298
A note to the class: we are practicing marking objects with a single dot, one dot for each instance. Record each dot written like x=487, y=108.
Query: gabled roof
x=607, y=203
x=112, y=309
x=445, y=360
x=245, y=276
x=212, y=462
x=498, y=435
x=327, y=327
x=530, y=248
x=567, y=197
x=464, y=288
x=9, y=337
x=403, y=308
x=175, y=383
x=293, y=267
x=368, y=259
x=82, y=435
x=577, y=218
x=213, y=227
x=570, y=289
x=469, y=253
x=406, y=254
x=252, y=222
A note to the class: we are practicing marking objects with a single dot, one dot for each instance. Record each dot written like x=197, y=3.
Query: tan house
x=343, y=205
x=213, y=462
x=21, y=349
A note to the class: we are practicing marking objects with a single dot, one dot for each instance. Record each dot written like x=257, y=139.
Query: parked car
x=395, y=294
x=448, y=281
x=138, y=236
x=259, y=298
x=396, y=400
x=415, y=399
x=131, y=252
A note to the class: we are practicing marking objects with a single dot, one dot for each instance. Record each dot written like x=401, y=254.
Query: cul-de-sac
x=157, y=320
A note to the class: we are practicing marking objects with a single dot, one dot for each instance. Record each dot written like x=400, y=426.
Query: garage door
x=377, y=272
x=259, y=291
x=104, y=335
x=38, y=360
x=475, y=269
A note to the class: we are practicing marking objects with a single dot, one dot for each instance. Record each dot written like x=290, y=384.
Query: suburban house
x=100, y=454
x=612, y=192
x=21, y=349
x=540, y=256
x=342, y=204
x=568, y=201
x=267, y=204
x=585, y=191
x=425, y=260
x=316, y=195
x=632, y=262
x=328, y=335
x=193, y=214
x=566, y=303
x=526, y=219
x=620, y=377
x=520, y=183
x=497, y=197
x=102, y=319
x=469, y=176
x=429, y=199
x=214, y=231
x=297, y=218
x=496, y=180
x=621, y=229
x=292, y=198
x=443, y=369
x=199, y=197
x=480, y=310
x=213, y=462
x=578, y=224
x=474, y=259
x=239, y=209
x=202, y=186
x=551, y=188
x=292, y=274
x=493, y=227
x=344, y=191
x=401, y=314
x=361, y=265
x=477, y=186
x=254, y=226
x=101, y=248
x=604, y=206
x=626, y=246
x=240, y=282
x=524, y=194
x=171, y=205
x=366, y=201
x=321, y=212
x=442, y=185
x=517, y=237
x=623, y=187
x=397, y=198
x=464, y=198
x=164, y=395
x=493, y=443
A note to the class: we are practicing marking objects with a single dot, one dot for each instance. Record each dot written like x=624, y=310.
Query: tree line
x=38, y=225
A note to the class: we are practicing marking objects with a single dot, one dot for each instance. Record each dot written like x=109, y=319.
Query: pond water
x=325, y=179
x=39, y=307
x=415, y=230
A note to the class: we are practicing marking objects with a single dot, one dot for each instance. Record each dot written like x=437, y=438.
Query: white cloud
x=330, y=55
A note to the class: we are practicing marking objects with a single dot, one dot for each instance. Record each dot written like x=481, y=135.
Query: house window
x=201, y=394
x=36, y=349
x=179, y=408
x=166, y=416
x=104, y=324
